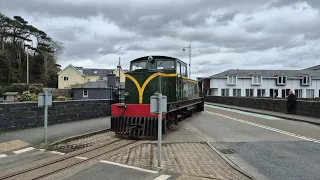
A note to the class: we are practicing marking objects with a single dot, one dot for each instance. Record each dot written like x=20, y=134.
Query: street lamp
x=184, y=49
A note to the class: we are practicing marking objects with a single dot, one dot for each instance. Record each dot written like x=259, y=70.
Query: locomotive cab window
x=165, y=64
x=138, y=65
x=183, y=70
x=178, y=67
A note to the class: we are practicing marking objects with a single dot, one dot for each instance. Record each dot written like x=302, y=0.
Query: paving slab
x=12, y=145
x=195, y=158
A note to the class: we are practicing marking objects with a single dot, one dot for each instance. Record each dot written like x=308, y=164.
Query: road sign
x=42, y=99
x=154, y=103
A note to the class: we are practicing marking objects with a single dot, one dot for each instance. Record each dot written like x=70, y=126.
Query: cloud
x=223, y=34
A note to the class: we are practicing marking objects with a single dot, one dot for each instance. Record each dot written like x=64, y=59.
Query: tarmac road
x=264, y=146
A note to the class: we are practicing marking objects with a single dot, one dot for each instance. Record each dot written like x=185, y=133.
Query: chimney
x=111, y=79
x=119, y=65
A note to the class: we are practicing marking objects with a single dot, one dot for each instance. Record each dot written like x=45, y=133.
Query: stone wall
x=302, y=107
x=21, y=115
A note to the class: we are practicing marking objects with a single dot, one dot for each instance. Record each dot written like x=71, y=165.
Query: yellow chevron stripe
x=141, y=89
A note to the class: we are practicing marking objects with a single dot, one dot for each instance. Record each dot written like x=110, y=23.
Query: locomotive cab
x=147, y=75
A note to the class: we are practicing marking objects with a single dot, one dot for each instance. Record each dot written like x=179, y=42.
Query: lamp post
x=28, y=46
x=184, y=49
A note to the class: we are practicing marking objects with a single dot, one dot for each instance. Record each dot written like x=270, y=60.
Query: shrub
x=61, y=98
x=32, y=88
x=35, y=89
x=26, y=96
x=34, y=97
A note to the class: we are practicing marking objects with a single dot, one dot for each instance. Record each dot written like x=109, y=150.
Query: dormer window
x=281, y=80
x=306, y=81
x=231, y=80
x=256, y=80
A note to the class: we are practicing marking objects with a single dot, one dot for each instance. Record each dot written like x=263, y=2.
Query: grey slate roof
x=267, y=73
x=313, y=68
x=98, y=84
x=100, y=72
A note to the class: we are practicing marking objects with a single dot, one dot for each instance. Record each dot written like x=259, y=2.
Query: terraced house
x=72, y=75
x=304, y=83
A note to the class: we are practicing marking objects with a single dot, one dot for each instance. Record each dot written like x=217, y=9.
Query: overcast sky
x=224, y=34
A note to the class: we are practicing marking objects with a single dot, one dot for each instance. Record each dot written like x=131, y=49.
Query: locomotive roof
x=156, y=57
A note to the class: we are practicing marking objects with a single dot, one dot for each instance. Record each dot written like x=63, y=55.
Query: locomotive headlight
x=126, y=95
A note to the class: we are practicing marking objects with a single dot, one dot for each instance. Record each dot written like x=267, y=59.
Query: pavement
x=32, y=138
x=293, y=117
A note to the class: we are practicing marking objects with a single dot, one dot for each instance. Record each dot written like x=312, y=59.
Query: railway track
x=50, y=166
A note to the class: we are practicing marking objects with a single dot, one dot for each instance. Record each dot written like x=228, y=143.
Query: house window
x=256, y=80
x=281, y=80
x=249, y=92
x=298, y=93
x=285, y=93
x=261, y=93
x=310, y=93
x=65, y=78
x=274, y=93
x=88, y=80
x=306, y=80
x=236, y=92
x=232, y=79
x=85, y=93
x=224, y=92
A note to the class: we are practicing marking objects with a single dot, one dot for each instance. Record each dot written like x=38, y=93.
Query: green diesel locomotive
x=148, y=75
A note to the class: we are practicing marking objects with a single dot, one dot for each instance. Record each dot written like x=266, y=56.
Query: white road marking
x=24, y=150
x=162, y=177
x=79, y=157
x=268, y=128
x=126, y=166
x=3, y=155
x=56, y=152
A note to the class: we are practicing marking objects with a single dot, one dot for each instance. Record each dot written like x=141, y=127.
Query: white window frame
x=308, y=81
x=84, y=93
x=232, y=82
x=249, y=92
x=281, y=82
x=258, y=78
x=310, y=90
x=262, y=95
x=298, y=93
x=238, y=94
x=226, y=90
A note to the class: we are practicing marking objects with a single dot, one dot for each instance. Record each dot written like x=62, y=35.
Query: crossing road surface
x=264, y=146
x=103, y=170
